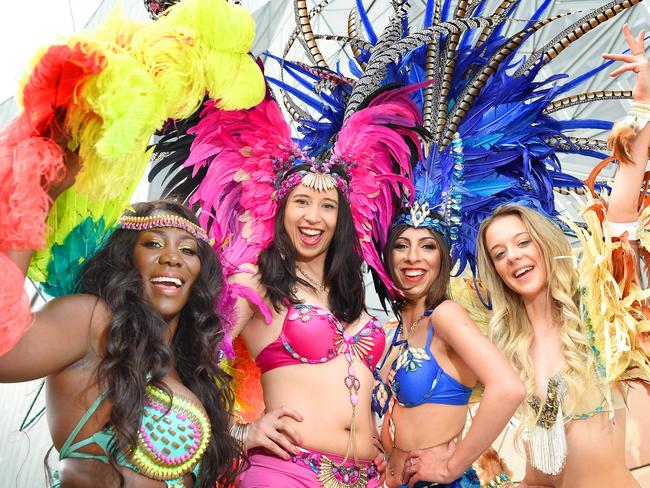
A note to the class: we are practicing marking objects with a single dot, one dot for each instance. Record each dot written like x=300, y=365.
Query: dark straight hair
x=343, y=275
x=439, y=290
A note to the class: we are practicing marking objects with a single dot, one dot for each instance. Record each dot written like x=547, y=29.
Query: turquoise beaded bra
x=171, y=439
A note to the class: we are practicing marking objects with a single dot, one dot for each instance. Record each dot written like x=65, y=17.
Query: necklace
x=412, y=327
x=319, y=286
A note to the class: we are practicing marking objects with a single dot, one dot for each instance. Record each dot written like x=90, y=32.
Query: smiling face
x=310, y=218
x=167, y=260
x=517, y=258
x=415, y=261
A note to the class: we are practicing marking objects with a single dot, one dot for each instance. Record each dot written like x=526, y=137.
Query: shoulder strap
x=68, y=449
x=392, y=343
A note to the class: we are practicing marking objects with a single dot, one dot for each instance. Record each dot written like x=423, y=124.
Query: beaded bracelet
x=239, y=432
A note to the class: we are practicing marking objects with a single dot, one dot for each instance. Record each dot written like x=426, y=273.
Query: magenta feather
x=239, y=146
x=237, y=193
x=379, y=165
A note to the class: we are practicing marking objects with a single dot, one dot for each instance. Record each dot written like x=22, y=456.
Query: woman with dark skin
x=144, y=316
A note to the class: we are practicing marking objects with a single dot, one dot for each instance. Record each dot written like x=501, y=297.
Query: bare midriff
x=427, y=425
x=595, y=459
x=318, y=393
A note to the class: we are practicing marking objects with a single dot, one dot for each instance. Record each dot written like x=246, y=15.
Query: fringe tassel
x=547, y=447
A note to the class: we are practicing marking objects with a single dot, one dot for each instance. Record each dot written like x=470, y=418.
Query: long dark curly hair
x=137, y=354
x=343, y=274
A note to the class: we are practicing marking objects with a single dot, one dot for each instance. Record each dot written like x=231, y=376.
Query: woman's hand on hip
x=274, y=432
x=429, y=465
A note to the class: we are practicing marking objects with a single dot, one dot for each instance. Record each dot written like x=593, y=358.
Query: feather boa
x=16, y=310
x=105, y=92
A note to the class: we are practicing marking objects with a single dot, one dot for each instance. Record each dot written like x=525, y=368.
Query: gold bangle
x=239, y=432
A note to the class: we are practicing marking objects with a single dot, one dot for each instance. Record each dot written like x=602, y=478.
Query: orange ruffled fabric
x=16, y=311
x=30, y=160
x=249, y=398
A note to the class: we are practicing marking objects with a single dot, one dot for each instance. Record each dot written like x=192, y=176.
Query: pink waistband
x=313, y=467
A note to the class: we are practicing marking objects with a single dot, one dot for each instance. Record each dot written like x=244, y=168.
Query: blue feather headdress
x=485, y=90
x=437, y=203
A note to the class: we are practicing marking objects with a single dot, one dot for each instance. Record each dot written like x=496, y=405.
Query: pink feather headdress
x=245, y=162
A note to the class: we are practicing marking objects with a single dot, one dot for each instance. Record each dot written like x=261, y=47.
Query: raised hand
x=635, y=61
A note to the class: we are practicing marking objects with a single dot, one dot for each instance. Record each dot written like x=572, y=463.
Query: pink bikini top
x=312, y=335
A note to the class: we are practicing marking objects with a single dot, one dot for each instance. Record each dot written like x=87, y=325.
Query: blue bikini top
x=416, y=377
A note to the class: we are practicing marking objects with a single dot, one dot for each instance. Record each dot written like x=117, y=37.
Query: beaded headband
x=133, y=222
x=421, y=216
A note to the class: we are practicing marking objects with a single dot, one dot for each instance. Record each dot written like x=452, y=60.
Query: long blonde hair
x=510, y=328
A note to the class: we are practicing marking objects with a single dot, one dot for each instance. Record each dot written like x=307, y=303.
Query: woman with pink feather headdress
x=292, y=232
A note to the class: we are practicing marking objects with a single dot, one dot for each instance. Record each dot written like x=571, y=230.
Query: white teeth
x=522, y=271
x=166, y=279
x=311, y=232
x=414, y=272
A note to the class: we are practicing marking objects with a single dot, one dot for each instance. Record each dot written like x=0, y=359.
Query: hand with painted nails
x=274, y=432
x=634, y=61
x=431, y=464
x=380, y=461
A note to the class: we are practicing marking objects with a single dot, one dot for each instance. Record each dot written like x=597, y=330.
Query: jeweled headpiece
x=134, y=222
x=438, y=200
x=318, y=176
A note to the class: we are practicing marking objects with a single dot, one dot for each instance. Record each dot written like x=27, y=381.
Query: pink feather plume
x=239, y=146
x=373, y=141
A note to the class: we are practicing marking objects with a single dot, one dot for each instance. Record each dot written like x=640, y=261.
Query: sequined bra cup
x=416, y=378
x=312, y=335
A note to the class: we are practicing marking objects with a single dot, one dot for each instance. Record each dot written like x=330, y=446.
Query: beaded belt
x=333, y=475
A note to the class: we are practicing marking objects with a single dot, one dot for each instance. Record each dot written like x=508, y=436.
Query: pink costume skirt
x=308, y=469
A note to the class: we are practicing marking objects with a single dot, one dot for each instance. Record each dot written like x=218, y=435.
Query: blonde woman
x=575, y=427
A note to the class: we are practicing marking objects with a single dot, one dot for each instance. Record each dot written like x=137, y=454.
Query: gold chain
x=413, y=325
x=319, y=286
